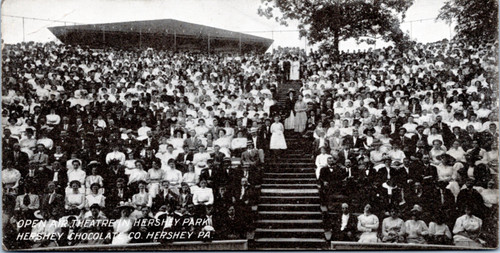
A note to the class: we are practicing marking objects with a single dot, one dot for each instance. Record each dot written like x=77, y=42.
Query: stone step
x=289, y=192
x=309, y=165
x=308, y=174
x=289, y=214
x=288, y=207
x=311, y=199
x=292, y=242
x=306, y=171
x=290, y=232
x=290, y=223
x=275, y=223
x=295, y=159
x=289, y=186
x=289, y=180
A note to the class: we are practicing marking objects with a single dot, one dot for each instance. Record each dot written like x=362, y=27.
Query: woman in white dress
x=368, y=225
x=10, y=179
x=467, y=229
x=190, y=177
x=156, y=175
x=224, y=142
x=415, y=228
x=177, y=141
x=295, y=69
x=94, y=197
x=278, y=142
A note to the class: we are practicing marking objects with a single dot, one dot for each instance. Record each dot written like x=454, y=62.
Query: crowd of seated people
x=148, y=134
x=397, y=130
x=112, y=134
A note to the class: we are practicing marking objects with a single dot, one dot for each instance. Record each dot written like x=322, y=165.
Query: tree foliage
x=476, y=19
x=331, y=21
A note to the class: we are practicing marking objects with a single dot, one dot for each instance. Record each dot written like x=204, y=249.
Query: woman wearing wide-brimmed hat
x=415, y=228
x=123, y=225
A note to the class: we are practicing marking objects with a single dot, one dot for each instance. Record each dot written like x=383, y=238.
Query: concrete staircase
x=289, y=215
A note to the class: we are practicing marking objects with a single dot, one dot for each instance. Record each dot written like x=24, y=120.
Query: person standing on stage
x=290, y=110
x=295, y=69
x=278, y=141
x=300, y=115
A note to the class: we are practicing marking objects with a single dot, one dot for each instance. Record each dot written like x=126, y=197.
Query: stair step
x=290, y=240
x=290, y=221
x=289, y=214
x=291, y=165
x=290, y=232
x=289, y=192
x=290, y=175
x=297, y=230
x=286, y=169
x=290, y=180
x=290, y=243
x=288, y=207
x=288, y=186
x=289, y=200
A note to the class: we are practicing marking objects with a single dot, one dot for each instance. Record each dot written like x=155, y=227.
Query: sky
x=234, y=15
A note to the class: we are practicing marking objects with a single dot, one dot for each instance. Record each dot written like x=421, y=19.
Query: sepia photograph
x=249, y=125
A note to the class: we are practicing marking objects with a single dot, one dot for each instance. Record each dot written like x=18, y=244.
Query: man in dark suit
x=217, y=156
x=429, y=172
x=250, y=157
x=344, y=225
x=8, y=141
x=37, y=175
x=244, y=196
x=420, y=136
x=366, y=174
x=117, y=194
x=444, y=130
x=265, y=134
x=98, y=153
x=346, y=153
x=212, y=175
x=165, y=196
x=400, y=139
x=52, y=202
x=182, y=158
x=151, y=142
x=65, y=126
x=233, y=175
x=442, y=199
x=286, y=69
x=40, y=157
x=329, y=180
x=114, y=172
x=58, y=176
x=355, y=140
x=19, y=158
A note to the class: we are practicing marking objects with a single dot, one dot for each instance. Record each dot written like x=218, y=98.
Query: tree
x=477, y=20
x=332, y=21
